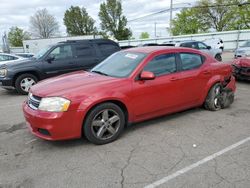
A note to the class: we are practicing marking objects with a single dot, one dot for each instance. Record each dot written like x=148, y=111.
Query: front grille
x=34, y=101
x=245, y=69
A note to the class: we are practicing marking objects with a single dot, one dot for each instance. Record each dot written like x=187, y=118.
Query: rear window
x=108, y=48
x=191, y=61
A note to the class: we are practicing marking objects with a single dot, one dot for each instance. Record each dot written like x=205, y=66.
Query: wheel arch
x=33, y=72
x=114, y=101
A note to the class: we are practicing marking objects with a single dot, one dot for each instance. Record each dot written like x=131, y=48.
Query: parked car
x=243, y=51
x=54, y=60
x=25, y=55
x=241, y=68
x=130, y=86
x=216, y=53
x=215, y=43
x=4, y=57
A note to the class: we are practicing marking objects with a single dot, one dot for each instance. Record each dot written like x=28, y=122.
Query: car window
x=246, y=44
x=84, y=51
x=202, y=46
x=191, y=61
x=62, y=52
x=162, y=64
x=189, y=45
x=6, y=58
x=107, y=49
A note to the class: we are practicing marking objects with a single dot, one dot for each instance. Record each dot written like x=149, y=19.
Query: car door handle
x=174, y=79
x=206, y=72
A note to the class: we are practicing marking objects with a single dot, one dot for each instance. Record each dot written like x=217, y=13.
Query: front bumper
x=242, y=73
x=54, y=125
x=6, y=83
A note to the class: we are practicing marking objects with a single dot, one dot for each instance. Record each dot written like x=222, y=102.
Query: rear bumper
x=54, y=125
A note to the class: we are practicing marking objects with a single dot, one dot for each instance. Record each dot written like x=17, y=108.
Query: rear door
x=86, y=56
x=193, y=78
x=105, y=49
x=59, y=60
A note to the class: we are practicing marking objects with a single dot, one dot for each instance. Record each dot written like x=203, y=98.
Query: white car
x=243, y=51
x=215, y=43
x=4, y=57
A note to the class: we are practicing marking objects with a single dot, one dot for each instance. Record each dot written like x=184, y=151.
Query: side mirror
x=208, y=47
x=50, y=59
x=146, y=75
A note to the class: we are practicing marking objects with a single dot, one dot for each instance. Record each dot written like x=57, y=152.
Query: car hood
x=17, y=63
x=74, y=84
x=242, y=62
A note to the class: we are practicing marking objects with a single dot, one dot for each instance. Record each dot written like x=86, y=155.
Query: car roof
x=152, y=49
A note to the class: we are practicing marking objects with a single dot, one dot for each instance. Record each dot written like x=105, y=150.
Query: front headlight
x=3, y=72
x=54, y=104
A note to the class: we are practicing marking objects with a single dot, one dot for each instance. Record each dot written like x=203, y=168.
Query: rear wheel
x=213, y=100
x=24, y=82
x=218, y=57
x=104, y=123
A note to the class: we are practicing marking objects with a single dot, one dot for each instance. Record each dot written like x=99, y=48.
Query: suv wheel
x=218, y=57
x=24, y=82
x=104, y=123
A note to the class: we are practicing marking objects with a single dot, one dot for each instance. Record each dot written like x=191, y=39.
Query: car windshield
x=42, y=52
x=120, y=64
x=246, y=44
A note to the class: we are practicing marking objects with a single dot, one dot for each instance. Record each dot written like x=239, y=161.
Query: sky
x=18, y=12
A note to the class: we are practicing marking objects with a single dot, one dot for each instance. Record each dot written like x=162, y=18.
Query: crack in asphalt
x=13, y=128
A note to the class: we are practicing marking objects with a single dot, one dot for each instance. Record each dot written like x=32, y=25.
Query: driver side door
x=59, y=61
x=158, y=96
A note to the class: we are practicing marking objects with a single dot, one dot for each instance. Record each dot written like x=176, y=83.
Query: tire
x=218, y=57
x=98, y=127
x=212, y=101
x=20, y=83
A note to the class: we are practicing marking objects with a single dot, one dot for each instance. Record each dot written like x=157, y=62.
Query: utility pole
x=171, y=16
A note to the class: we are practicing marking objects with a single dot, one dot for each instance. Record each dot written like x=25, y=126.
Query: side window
x=84, y=51
x=107, y=49
x=189, y=45
x=202, y=46
x=191, y=61
x=162, y=64
x=62, y=52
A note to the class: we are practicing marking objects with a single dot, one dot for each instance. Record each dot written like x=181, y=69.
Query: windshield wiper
x=99, y=72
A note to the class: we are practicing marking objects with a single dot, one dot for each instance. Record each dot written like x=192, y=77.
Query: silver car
x=216, y=53
x=243, y=51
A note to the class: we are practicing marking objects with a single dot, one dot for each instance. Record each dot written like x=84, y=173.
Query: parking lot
x=195, y=148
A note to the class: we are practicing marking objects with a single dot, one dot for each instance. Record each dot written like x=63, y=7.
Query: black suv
x=54, y=60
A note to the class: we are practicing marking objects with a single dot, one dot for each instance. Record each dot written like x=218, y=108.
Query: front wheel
x=24, y=82
x=104, y=123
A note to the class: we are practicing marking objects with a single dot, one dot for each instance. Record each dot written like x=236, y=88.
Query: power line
x=207, y=6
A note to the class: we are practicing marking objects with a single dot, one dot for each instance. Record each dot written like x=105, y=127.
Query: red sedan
x=130, y=86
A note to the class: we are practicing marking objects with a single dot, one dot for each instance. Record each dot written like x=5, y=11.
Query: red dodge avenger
x=129, y=86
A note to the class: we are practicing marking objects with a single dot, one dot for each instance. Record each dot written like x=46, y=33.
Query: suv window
x=61, y=52
x=107, y=49
x=84, y=50
x=162, y=64
x=191, y=61
x=202, y=46
x=6, y=57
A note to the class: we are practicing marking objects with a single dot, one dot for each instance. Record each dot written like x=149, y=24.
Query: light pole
x=171, y=16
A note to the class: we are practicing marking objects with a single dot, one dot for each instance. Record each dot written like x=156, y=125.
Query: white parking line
x=188, y=168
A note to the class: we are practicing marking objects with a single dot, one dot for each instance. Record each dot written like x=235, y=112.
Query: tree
x=16, y=36
x=43, y=24
x=112, y=20
x=219, y=15
x=187, y=22
x=78, y=22
x=144, y=35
